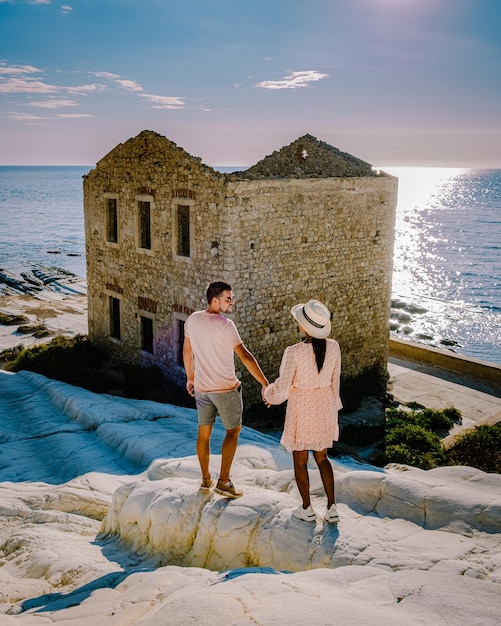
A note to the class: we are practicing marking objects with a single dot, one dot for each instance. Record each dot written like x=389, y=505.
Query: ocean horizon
x=446, y=289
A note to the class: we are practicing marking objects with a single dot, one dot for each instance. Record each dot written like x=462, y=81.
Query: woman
x=309, y=379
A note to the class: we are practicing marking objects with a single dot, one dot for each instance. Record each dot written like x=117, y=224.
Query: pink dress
x=311, y=418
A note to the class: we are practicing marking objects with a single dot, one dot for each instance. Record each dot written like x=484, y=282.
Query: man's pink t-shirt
x=213, y=338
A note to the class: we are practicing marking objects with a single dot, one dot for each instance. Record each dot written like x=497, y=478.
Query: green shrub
x=38, y=330
x=399, y=453
x=71, y=360
x=395, y=417
x=431, y=419
x=59, y=355
x=453, y=413
x=9, y=355
x=415, y=406
x=414, y=436
x=407, y=455
x=479, y=447
x=439, y=421
x=12, y=320
x=79, y=362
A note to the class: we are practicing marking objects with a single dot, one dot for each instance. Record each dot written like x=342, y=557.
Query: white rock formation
x=101, y=520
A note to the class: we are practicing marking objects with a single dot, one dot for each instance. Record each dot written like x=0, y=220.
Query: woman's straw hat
x=314, y=318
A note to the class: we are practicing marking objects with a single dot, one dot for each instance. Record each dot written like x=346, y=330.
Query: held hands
x=268, y=404
x=190, y=388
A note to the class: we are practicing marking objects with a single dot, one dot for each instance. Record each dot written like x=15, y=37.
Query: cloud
x=67, y=116
x=293, y=80
x=129, y=85
x=105, y=75
x=66, y=9
x=157, y=102
x=203, y=106
x=31, y=85
x=24, y=117
x=16, y=79
x=164, y=102
x=18, y=69
x=26, y=85
x=29, y=117
x=85, y=89
x=53, y=104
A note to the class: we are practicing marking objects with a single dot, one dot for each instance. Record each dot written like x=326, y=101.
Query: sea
x=447, y=251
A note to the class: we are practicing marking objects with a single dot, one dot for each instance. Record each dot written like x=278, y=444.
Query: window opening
x=144, y=224
x=183, y=230
x=114, y=304
x=111, y=220
x=147, y=334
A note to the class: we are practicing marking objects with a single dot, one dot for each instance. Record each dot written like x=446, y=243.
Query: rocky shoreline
x=40, y=303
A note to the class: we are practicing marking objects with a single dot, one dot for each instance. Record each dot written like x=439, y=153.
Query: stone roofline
x=306, y=157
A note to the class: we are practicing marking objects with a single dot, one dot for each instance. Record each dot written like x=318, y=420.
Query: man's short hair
x=215, y=289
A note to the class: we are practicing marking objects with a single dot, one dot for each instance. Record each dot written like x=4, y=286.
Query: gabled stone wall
x=277, y=241
x=149, y=167
x=307, y=157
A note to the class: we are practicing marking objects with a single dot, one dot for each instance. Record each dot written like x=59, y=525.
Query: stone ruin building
x=308, y=221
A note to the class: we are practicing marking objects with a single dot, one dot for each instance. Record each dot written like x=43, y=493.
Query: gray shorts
x=227, y=404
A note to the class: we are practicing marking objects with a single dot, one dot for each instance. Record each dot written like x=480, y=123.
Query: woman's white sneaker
x=331, y=515
x=307, y=515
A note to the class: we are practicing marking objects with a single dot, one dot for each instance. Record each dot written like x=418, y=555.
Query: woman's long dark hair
x=319, y=348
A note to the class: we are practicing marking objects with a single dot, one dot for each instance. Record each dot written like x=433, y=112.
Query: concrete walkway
x=437, y=388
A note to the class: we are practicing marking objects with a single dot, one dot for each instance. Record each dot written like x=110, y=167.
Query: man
x=209, y=344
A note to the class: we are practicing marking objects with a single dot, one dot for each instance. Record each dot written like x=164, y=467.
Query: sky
x=393, y=82
x=102, y=522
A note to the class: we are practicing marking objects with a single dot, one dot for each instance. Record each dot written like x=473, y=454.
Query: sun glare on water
x=418, y=190
x=416, y=184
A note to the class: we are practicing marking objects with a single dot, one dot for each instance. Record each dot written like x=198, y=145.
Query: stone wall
x=277, y=242
x=330, y=239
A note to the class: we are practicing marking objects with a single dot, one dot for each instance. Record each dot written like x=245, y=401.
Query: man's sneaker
x=228, y=491
x=307, y=515
x=206, y=485
x=331, y=515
